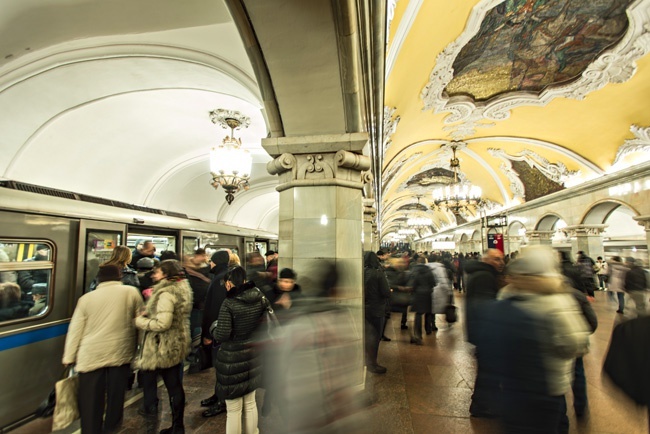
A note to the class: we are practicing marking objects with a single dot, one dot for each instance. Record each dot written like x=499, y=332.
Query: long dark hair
x=172, y=269
x=236, y=275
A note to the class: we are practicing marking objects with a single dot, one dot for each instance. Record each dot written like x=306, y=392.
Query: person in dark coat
x=27, y=278
x=146, y=250
x=422, y=282
x=636, y=286
x=213, y=300
x=628, y=358
x=571, y=272
x=237, y=362
x=376, y=294
x=400, y=292
x=284, y=292
x=483, y=284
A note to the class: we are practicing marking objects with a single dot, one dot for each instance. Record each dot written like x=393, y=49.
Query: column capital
x=643, y=220
x=319, y=160
x=541, y=235
x=584, y=230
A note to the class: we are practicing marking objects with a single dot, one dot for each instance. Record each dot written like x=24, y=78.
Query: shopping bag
x=66, y=409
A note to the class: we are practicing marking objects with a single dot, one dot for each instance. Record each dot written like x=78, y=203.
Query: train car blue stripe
x=33, y=336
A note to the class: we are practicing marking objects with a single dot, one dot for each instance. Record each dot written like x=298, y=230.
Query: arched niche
x=547, y=222
x=516, y=228
x=623, y=236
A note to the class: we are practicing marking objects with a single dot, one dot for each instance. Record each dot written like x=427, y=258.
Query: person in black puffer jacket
x=213, y=300
x=375, y=295
x=238, y=367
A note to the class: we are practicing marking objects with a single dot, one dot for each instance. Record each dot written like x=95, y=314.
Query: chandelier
x=459, y=195
x=230, y=165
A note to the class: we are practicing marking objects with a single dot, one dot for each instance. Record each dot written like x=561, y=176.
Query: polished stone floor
x=427, y=390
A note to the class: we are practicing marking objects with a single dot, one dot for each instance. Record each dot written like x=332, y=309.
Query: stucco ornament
x=390, y=125
x=640, y=143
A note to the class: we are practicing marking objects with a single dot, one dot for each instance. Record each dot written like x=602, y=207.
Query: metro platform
x=427, y=389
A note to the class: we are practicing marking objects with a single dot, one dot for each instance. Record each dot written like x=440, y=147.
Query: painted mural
x=430, y=177
x=528, y=45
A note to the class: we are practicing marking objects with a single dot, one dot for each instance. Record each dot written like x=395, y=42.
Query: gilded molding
x=616, y=65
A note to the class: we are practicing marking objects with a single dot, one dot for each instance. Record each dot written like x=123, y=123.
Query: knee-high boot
x=178, y=409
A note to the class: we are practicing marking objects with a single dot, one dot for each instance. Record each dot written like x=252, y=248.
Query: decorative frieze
x=583, y=230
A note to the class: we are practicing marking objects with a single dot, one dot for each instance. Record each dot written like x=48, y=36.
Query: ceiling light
x=230, y=165
x=459, y=195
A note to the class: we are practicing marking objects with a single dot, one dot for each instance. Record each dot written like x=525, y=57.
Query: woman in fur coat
x=166, y=340
x=238, y=364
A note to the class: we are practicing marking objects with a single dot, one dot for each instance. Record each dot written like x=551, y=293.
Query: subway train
x=51, y=244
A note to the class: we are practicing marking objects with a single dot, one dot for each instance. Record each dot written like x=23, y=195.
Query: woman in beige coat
x=166, y=340
x=101, y=344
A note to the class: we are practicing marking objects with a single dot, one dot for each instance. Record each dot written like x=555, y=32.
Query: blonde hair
x=234, y=260
x=121, y=257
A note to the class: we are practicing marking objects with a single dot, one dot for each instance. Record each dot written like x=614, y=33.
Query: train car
x=51, y=244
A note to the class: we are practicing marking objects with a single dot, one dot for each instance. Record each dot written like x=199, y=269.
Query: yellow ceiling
x=592, y=128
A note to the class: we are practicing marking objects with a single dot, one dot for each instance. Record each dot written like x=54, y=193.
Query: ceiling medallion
x=230, y=165
x=458, y=196
x=614, y=65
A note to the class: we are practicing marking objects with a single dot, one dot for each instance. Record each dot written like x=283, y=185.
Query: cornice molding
x=616, y=65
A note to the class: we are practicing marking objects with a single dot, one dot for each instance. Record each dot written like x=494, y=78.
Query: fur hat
x=535, y=261
x=269, y=253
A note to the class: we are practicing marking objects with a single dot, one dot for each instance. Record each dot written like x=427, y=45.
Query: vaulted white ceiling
x=112, y=99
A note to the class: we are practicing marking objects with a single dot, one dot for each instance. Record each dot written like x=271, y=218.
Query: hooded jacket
x=238, y=363
x=216, y=292
x=555, y=323
x=166, y=338
x=376, y=290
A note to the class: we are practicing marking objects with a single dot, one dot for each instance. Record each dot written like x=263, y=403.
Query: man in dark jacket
x=213, y=301
x=422, y=282
x=483, y=283
x=376, y=294
x=636, y=286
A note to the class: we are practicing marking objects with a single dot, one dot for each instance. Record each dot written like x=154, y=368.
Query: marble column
x=644, y=220
x=586, y=238
x=375, y=237
x=321, y=213
x=539, y=237
x=369, y=213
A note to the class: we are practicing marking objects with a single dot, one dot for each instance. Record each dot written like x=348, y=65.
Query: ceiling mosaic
x=528, y=45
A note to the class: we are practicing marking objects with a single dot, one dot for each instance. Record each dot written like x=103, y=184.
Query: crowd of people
x=534, y=306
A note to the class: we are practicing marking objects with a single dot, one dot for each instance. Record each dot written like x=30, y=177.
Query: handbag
x=200, y=359
x=451, y=314
x=66, y=409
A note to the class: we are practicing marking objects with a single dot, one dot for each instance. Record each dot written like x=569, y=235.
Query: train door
x=96, y=243
x=190, y=241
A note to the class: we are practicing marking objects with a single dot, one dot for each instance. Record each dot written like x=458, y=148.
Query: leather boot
x=178, y=410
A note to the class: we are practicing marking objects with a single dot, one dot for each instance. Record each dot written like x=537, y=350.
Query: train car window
x=25, y=278
x=99, y=248
x=190, y=244
x=162, y=242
